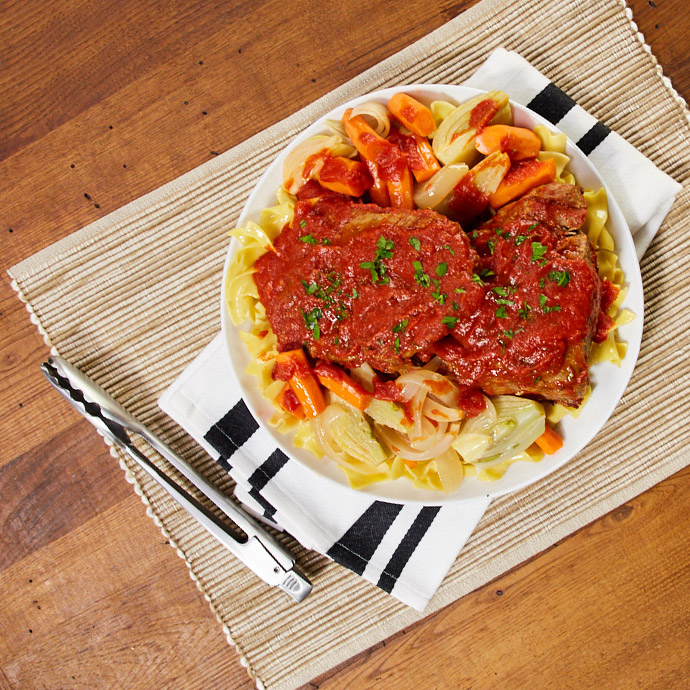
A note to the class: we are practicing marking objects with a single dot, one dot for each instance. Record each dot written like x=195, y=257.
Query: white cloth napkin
x=405, y=550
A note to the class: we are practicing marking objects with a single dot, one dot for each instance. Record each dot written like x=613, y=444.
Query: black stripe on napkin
x=268, y=469
x=356, y=547
x=233, y=430
x=269, y=510
x=406, y=548
x=593, y=138
x=551, y=103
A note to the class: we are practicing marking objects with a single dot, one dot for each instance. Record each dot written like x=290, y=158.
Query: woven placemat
x=134, y=297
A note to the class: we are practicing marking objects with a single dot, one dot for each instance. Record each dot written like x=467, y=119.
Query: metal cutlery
x=256, y=548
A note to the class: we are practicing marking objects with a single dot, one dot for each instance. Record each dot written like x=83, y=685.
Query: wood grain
x=103, y=102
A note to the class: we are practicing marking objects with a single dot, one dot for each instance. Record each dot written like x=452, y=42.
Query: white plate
x=608, y=381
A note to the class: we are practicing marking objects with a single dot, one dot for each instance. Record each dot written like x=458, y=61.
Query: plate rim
x=420, y=496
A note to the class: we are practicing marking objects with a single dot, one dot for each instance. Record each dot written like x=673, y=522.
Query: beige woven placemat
x=134, y=297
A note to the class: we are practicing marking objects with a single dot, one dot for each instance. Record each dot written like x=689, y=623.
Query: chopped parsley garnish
x=524, y=312
x=303, y=223
x=520, y=239
x=499, y=231
x=501, y=313
x=474, y=234
x=538, y=250
x=491, y=245
x=509, y=302
x=309, y=288
x=308, y=239
x=414, y=241
x=449, y=322
x=543, y=299
x=439, y=296
x=396, y=344
x=385, y=248
x=541, y=282
x=460, y=290
x=455, y=306
x=355, y=293
x=561, y=278
x=441, y=269
x=509, y=333
x=531, y=227
x=311, y=319
x=449, y=248
x=378, y=270
x=419, y=275
x=400, y=328
x=503, y=291
x=325, y=240
x=477, y=279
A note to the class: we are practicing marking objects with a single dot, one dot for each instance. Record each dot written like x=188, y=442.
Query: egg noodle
x=442, y=446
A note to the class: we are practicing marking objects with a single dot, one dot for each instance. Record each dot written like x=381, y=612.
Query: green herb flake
x=441, y=269
x=541, y=282
x=486, y=273
x=542, y=300
x=491, y=245
x=520, y=239
x=561, y=278
x=447, y=247
x=509, y=333
x=524, y=312
x=355, y=293
x=396, y=345
x=449, y=322
x=311, y=320
x=309, y=288
x=509, y=302
x=501, y=313
x=419, y=275
x=460, y=290
x=538, y=250
x=303, y=223
x=532, y=227
x=501, y=290
x=400, y=328
x=414, y=241
x=477, y=279
x=326, y=241
x=455, y=306
x=308, y=239
x=439, y=296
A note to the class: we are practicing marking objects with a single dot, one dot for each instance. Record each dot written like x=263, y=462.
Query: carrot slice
x=344, y=175
x=426, y=153
x=302, y=381
x=412, y=114
x=400, y=191
x=549, y=441
x=344, y=386
x=521, y=178
x=379, y=190
x=519, y=143
x=288, y=402
x=388, y=157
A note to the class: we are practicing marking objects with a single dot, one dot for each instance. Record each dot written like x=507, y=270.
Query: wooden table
x=103, y=102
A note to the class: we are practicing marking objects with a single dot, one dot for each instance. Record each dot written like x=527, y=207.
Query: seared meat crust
x=513, y=312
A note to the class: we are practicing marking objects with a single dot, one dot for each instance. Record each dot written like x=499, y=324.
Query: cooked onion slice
x=376, y=116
